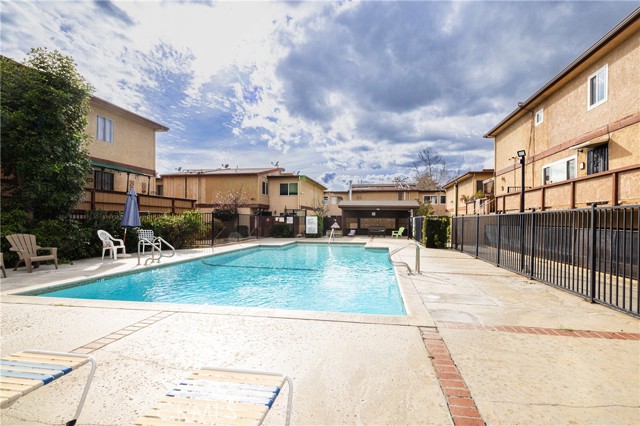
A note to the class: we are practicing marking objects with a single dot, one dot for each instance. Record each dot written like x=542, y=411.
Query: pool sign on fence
x=312, y=225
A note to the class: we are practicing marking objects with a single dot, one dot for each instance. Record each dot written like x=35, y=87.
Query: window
x=400, y=195
x=598, y=87
x=598, y=160
x=443, y=199
x=103, y=180
x=539, y=116
x=265, y=188
x=479, y=186
x=559, y=171
x=433, y=199
x=104, y=130
x=325, y=199
x=159, y=190
x=288, y=189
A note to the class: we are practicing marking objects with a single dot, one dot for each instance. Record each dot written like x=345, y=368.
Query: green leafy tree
x=44, y=109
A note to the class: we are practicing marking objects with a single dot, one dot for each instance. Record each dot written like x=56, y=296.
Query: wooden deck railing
x=113, y=201
x=615, y=187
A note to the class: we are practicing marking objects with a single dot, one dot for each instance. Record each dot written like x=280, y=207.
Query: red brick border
x=461, y=404
x=117, y=335
x=542, y=331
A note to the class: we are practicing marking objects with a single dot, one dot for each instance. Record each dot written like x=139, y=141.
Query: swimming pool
x=312, y=277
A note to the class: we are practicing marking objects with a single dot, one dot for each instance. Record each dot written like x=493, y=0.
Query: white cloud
x=349, y=90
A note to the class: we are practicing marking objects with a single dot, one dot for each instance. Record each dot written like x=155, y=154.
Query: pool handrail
x=156, y=245
x=405, y=264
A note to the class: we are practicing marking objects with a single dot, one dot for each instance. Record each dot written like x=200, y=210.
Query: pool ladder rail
x=156, y=246
x=405, y=264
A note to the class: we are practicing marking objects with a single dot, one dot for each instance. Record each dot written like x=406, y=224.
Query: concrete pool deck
x=481, y=345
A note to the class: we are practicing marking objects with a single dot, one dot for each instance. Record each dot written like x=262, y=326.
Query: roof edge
x=156, y=126
x=608, y=37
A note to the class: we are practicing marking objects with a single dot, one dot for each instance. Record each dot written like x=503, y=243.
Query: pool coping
x=416, y=312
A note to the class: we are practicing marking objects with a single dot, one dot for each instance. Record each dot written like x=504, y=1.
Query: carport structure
x=364, y=214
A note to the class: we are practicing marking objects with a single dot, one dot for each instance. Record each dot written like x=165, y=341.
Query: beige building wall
x=468, y=185
x=206, y=189
x=568, y=121
x=133, y=146
x=310, y=194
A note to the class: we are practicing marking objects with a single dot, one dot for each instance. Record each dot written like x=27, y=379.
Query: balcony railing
x=615, y=187
x=113, y=201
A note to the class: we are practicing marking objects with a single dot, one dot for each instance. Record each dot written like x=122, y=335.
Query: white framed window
x=265, y=188
x=597, y=90
x=104, y=129
x=539, y=116
x=560, y=170
x=288, y=189
x=433, y=199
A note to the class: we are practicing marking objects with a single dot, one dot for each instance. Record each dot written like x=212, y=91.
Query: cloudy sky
x=337, y=91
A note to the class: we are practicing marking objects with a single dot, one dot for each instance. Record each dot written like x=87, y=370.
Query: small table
x=377, y=230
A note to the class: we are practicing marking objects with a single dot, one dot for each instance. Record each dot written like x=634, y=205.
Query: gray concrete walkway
x=480, y=345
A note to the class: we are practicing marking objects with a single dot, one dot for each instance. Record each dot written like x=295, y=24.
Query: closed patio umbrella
x=131, y=216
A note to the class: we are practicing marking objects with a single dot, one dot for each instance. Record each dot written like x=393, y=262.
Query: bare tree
x=431, y=170
x=319, y=207
x=229, y=202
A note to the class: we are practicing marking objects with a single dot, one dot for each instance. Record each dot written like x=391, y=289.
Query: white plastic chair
x=110, y=243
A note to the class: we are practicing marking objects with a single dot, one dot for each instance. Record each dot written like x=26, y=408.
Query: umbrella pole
x=124, y=239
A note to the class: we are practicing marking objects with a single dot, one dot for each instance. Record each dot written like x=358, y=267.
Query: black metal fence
x=218, y=229
x=594, y=253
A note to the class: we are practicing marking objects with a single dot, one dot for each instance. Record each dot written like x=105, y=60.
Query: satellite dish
x=179, y=169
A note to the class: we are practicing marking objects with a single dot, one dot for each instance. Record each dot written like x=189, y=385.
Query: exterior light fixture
x=522, y=153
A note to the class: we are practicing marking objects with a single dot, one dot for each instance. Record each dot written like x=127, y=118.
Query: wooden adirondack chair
x=27, y=249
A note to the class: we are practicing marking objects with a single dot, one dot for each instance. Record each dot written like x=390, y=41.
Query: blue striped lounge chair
x=23, y=372
x=219, y=396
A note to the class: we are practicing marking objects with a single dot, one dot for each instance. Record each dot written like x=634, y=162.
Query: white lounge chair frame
x=23, y=372
x=220, y=396
x=109, y=243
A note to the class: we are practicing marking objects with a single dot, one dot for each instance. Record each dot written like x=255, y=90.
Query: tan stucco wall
x=567, y=119
x=206, y=188
x=309, y=194
x=466, y=187
x=133, y=143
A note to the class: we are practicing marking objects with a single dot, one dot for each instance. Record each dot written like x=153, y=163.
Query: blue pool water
x=313, y=277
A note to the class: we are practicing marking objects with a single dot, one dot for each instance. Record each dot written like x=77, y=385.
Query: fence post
x=522, y=217
x=592, y=276
x=499, y=246
x=477, y=235
x=462, y=237
x=533, y=244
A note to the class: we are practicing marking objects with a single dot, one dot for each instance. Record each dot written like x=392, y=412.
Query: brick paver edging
x=117, y=335
x=461, y=404
x=541, y=331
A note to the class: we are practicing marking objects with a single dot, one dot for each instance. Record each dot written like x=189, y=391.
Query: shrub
x=73, y=240
x=178, y=230
x=13, y=222
x=282, y=230
x=435, y=231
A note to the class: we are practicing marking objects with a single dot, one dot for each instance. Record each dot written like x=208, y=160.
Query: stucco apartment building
x=123, y=148
x=123, y=155
x=259, y=189
x=579, y=133
x=462, y=193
